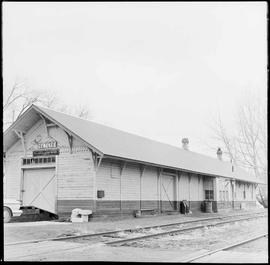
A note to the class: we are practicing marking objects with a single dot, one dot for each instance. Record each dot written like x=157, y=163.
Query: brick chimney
x=185, y=143
x=219, y=154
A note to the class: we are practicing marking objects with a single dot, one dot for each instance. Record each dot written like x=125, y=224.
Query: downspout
x=233, y=191
x=158, y=189
x=142, y=168
x=233, y=186
x=189, y=179
x=97, y=162
x=120, y=184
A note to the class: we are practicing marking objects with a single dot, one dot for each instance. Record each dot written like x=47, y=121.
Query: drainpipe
x=233, y=185
x=233, y=191
x=189, y=179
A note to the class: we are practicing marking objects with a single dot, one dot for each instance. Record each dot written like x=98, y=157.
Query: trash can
x=208, y=206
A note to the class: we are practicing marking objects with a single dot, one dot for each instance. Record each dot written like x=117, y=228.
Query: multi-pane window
x=209, y=194
x=38, y=160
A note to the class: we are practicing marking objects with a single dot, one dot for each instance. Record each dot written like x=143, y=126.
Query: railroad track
x=178, y=225
x=178, y=230
x=122, y=237
x=254, y=238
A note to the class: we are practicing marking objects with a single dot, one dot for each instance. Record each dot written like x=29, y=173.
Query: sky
x=162, y=70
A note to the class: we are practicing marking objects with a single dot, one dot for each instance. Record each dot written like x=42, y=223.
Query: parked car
x=11, y=208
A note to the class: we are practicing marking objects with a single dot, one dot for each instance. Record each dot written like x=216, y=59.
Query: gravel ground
x=14, y=232
x=208, y=238
x=165, y=249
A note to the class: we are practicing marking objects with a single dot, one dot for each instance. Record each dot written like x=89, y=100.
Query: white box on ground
x=80, y=216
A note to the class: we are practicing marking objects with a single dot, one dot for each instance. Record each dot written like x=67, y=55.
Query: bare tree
x=81, y=111
x=17, y=100
x=226, y=139
x=247, y=147
x=20, y=97
x=251, y=144
x=12, y=96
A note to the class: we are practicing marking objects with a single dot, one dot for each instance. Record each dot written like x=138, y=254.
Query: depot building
x=56, y=162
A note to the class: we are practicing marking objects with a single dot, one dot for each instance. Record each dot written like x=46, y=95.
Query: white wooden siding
x=224, y=187
x=13, y=175
x=194, y=188
x=61, y=137
x=75, y=172
x=193, y=191
x=183, y=187
x=75, y=176
x=37, y=129
x=130, y=183
x=200, y=189
x=109, y=180
x=149, y=184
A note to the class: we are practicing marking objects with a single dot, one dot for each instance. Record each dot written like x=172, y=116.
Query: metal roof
x=117, y=143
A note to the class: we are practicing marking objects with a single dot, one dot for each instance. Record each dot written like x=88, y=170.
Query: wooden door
x=167, y=193
x=39, y=188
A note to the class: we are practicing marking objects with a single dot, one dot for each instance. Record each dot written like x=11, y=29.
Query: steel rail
x=130, y=229
x=186, y=261
x=121, y=241
x=224, y=248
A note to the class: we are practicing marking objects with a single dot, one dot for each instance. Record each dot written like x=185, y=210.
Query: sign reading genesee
x=47, y=145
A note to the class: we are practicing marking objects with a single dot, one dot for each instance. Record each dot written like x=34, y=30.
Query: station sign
x=46, y=152
x=47, y=145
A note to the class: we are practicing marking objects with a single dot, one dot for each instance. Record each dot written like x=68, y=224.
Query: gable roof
x=116, y=143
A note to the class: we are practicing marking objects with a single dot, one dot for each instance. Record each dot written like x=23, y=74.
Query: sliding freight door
x=39, y=188
x=167, y=193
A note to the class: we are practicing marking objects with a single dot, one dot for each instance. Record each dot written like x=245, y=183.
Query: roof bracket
x=142, y=169
x=179, y=175
x=189, y=177
x=122, y=167
x=97, y=158
x=45, y=124
x=70, y=141
x=20, y=134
